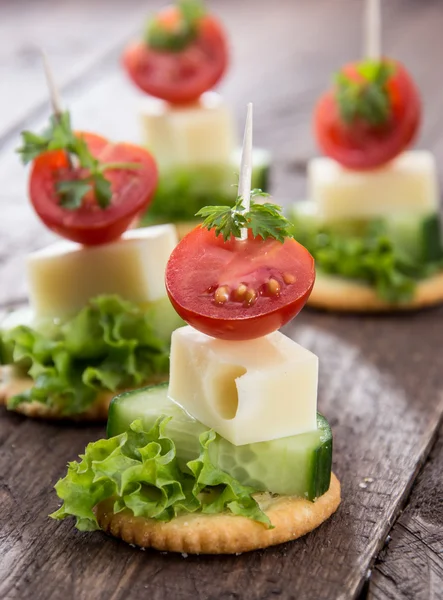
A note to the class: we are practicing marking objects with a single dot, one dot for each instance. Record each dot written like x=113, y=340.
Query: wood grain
x=77, y=36
x=410, y=567
x=380, y=383
x=383, y=416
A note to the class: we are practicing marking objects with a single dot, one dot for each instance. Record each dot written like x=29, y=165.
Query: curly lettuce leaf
x=139, y=471
x=368, y=254
x=110, y=344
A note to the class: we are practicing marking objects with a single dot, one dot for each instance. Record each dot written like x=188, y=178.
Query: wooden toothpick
x=54, y=95
x=244, y=186
x=372, y=29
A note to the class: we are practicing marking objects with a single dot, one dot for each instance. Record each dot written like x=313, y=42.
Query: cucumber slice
x=183, y=191
x=298, y=465
x=432, y=238
x=304, y=215
x=418, y=238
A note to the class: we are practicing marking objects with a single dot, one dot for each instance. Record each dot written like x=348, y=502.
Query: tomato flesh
x=238, y=290
x=132, y=190
x=179, y=76
x=358, y=145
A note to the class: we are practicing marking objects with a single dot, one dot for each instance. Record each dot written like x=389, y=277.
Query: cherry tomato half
x=359, y=145
x=179, y=76
x=132, y=190
x=238, y=290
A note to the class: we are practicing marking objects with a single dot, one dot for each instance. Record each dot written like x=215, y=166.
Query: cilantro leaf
x=103, y=191
x=33, y=145
x=162, y=37
x=225, y=220
x=367, y=99
x=264, y=220
x=72, y=192
x=60, y=136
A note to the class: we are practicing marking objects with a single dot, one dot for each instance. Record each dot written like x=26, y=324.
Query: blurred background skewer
x=54, y=96
x=372, y=29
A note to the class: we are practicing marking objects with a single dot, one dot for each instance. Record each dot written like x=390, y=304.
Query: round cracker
x=335, y=293
x=199, y=533
x=11, y=384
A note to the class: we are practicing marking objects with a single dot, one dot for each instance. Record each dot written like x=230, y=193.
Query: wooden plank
x=380, y=385
x=410, y=567
x=76, y=35
x=383, y=413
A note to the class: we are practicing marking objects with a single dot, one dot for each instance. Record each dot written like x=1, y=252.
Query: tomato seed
x=273, y=287
x=288, y=278
x=239, y=293
x=222, y=294
x=250, y=297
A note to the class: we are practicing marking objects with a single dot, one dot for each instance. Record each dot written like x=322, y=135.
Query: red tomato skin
x=359, y=146
x=233, y=321
x=180, y=77
x=90, y=225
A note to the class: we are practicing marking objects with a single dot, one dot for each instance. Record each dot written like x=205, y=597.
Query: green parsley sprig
x=59, y=136
x=264, y=220
x=160, y=37
x=367, y=100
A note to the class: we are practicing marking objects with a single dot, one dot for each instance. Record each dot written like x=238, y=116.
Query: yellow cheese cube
x=407, y=184
x=64, y=276
x=248, y=391
x=202, y=133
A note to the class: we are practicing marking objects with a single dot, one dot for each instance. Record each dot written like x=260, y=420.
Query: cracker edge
x=10, y=385
x=334, y=293
x=223, y=533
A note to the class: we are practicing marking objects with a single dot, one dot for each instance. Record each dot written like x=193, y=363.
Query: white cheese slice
x=63, y=276
x=249, y=391
x=407, y=184
x=202, y=133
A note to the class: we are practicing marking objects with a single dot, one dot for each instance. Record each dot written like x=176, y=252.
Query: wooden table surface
x=381, y=379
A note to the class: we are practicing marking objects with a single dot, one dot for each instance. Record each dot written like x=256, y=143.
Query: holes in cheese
x=247, y=391
x=64, y=276
x=407, y=184
x=225, y=391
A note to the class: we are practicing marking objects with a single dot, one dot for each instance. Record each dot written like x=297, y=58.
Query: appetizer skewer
x=232, y=455
x=188, y=128
x=372, y=220
x=98, y=319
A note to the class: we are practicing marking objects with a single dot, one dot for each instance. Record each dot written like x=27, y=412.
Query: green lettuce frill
x=139, y=470
x=110, y=344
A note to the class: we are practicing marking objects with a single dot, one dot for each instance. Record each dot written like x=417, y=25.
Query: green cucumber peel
x=368, y=255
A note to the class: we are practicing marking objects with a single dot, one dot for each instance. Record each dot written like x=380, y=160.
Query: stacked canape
x=232, y=456
x=372, y=220
x=98, y=318
x=189, y=129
